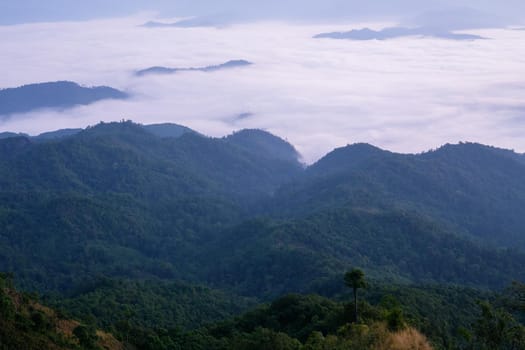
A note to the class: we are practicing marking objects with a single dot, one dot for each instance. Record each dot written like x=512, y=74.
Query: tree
x=515, y=297
x=497, y=329
x=355, y=279
x=87, y=336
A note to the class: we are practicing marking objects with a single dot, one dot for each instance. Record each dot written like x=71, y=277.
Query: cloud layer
x=406, y=95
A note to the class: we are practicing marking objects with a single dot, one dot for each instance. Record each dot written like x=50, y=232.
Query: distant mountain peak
x=58, y=134
x=193, y=22
x=346, y=157
x=261, y=140
x=468, y=146
x=167, y=70
x=8, y=134
x=166, y=130
x=360, y=149
x=124, y=128
x=472, y=151
x=397, y=32
x=59, y=94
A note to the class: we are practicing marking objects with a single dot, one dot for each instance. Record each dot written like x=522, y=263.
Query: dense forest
x=169, y=239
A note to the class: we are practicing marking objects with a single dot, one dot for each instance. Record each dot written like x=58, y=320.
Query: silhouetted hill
x=61, y=94
x=397, y=32
x=201, y=21
x=167, y=70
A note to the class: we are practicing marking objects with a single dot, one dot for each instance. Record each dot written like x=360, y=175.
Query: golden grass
x=407, y=339
x=108, y=341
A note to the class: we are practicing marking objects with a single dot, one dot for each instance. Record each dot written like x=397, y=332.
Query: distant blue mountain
x=397, y=32
x=167, y=70
x=155, y=24
x=55, y=135
x=7, y=135
x=205, y=21
x=60, y=94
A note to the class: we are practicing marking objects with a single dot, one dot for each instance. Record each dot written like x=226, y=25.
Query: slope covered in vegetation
x=26, y=324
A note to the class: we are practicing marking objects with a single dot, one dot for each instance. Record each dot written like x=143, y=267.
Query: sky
x=20, y=11
x=406, y=95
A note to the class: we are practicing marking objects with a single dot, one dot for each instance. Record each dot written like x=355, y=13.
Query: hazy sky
x=19, y=11
x=407, y=95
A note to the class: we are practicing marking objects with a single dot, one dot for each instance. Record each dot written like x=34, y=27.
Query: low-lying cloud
x=406, y=95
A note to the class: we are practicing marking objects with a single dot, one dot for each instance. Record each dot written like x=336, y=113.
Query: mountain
x=194, y=22
x=471, y=189
x=262, y=143
x=165, y=70
x=242, y=214
x=124, y=157
x=166, y=130
x=397, y=32
x=161, y=229
x=58, y=134
x=156, y=24
x=388, y=244
x=117, y=193
x=7, y=134
x=60, y=94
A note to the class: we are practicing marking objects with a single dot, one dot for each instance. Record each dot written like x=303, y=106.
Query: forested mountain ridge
x=154, y=218
x=164, y=130
x=389, y=244
x=472, y=189
x=120, y=157
x=242, y=213
x=116, y=199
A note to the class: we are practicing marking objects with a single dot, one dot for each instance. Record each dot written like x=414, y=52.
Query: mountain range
x=149, y=215
x=164, y=202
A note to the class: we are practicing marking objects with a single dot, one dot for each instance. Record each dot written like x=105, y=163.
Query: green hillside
x=474, y=190
x=151, y=233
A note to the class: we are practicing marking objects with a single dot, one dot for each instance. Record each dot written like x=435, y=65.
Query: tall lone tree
x=355, y=279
